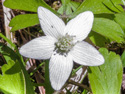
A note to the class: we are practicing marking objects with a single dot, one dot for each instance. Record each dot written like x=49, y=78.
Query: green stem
x=49, y=89
x=36, y=84
x=36, y=69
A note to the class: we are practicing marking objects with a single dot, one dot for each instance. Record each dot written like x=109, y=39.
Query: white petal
x=51, y=24
x=60, y=68
x=85, y=54
x=80, y=26
x=39, y=48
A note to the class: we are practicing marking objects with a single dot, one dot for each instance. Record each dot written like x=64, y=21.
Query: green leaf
x=120, y=19
x=111, y=6
x=123, y=58
x=114, y=5
x=107, y=78
x=23, y=21
x=10, y=55
x=70, y=6
x=109, y=29
x=103, y=15
x=64, y=2
x=98, y=39
x=96, y=6
x=68, y=10
x=27, y=5
x=84, y=92
x=11, y=82
x=6, y=39
x=75, y=5
x=117, y=3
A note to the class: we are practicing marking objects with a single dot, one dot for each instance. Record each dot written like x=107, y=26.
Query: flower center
x=64, y=44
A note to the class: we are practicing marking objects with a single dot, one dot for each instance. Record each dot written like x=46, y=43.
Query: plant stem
x=80, y=85
x=36, y=69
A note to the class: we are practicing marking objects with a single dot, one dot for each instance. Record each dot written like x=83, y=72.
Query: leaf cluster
x=108, y=28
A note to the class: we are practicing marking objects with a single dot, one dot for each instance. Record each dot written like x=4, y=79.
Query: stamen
x=64, y=44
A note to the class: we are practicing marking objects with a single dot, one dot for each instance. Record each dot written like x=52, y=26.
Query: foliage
x=108, y=27
x=10, y=80
x=123, y=58
x=22, y=21
x=107, y=78
x=14, y=78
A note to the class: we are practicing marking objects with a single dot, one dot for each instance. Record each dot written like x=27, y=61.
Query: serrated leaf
x=123, y=58
x=23, y=21
x=96, y=6
x=10, y=55
x=107, y=78
x=109, y=29
x=11, y=82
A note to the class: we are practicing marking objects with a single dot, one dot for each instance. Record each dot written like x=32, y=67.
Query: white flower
x=63, y=44
x=123, y=2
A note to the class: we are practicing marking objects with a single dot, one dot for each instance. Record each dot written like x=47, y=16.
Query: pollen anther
x=64, y=44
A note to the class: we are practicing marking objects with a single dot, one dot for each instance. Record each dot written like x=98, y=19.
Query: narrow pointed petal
x=85, y=54
x=80, y=26
x=39, y=48
x=60, y=68
x=51, y=24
